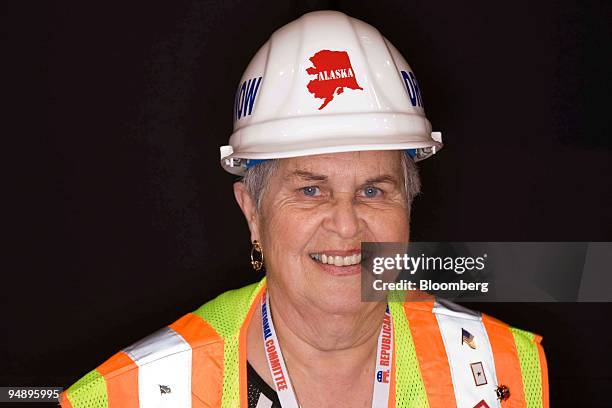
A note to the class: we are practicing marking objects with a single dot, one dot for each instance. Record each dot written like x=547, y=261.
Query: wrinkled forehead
x=354, y=165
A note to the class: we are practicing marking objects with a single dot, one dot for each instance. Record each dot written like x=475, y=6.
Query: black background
x=121, y=220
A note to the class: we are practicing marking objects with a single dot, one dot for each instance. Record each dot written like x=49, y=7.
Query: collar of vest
x=422, y=369
x=230, y=314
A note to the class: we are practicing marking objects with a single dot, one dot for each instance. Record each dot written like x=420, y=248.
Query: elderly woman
x=328, y=122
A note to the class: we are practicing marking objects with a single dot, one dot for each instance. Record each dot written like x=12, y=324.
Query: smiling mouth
x=336, y=260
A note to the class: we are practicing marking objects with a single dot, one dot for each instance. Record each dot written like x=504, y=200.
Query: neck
x=324, y=345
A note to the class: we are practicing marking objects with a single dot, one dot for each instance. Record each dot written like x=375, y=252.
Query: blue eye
x=311, y=191
x=371, y=192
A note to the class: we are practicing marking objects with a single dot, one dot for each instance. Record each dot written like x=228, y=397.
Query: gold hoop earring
x=257, y=263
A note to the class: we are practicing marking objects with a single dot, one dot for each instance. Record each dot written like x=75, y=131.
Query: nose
x=343, y=218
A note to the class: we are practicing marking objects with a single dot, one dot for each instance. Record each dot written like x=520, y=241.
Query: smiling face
x=314, y=215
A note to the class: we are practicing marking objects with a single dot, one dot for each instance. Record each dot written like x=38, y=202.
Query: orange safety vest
x=444, y=356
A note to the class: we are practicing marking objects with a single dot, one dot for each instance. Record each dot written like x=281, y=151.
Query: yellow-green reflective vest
x=444, y=356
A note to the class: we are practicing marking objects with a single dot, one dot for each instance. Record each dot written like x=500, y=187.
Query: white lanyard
x=280, y=376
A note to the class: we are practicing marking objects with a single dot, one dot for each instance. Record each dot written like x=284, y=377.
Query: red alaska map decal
x=334, y=73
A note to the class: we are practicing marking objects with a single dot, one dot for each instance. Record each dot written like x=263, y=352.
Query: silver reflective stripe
x=471, y=362
x=164, y=369
x=263, y=402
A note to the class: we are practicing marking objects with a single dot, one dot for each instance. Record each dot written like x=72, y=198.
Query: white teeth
x=337, y=260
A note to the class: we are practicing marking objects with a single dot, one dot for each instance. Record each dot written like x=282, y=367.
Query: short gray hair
x=256, y=179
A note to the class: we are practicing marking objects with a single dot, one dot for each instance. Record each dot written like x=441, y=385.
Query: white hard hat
x=326, y=83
